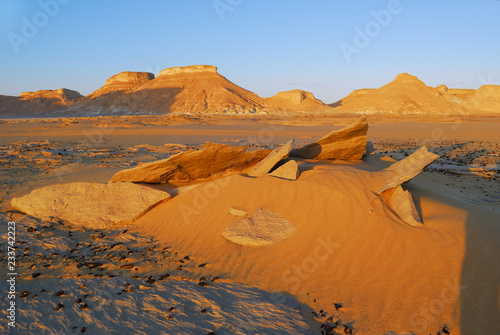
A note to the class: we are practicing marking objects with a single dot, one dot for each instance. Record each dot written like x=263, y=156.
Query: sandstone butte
x=189, y=89
x=212, y=161
x=406, y=94
x=90, y=205
x=348, y=143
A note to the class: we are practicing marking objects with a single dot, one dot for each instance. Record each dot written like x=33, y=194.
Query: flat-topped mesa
x=129, y=77
x=188, y=69
x=62, y=95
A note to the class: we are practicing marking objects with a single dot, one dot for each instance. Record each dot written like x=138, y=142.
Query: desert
x=225, y=169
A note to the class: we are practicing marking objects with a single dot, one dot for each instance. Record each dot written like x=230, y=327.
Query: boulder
x=407, y=168
x=265, y=165
x=289, y=170
x=264, y=227
x=211, y=162
x=348, y=143
x=90, y=205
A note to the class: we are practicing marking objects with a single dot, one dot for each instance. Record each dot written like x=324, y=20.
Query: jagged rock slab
x=90, y=204
x=401, y=202
x=265, y=165
x=348, y=143
x=407, y=168
x=264, y=227
x=289, y=170
x=212, y=161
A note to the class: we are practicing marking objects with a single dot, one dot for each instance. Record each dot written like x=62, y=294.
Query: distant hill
x=39, y=102
x=200, y=89
x=190, y=89
x=297, y=100
x=406, y=94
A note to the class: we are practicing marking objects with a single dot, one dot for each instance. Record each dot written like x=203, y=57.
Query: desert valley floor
x=351, y=266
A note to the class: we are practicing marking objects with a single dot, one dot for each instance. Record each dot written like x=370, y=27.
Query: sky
x=328, y=47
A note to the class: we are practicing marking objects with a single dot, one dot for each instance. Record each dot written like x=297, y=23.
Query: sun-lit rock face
x=130, y=78
x=61, y=96
x=188, y=69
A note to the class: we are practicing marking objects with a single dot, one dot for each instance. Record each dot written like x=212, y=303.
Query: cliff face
x=486, y=98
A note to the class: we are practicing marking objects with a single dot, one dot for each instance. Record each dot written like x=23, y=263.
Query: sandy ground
x=36, y=153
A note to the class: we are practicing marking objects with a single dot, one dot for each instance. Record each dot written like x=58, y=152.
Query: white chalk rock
x=264, y=227
x=289, y=170
x=90, y=205
x=402, y=203
x=265, y=165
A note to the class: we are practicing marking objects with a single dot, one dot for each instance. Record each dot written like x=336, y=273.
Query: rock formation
x=405, y=95
x=401, y=202
x=189, y=89
x=297, y=100
x=486, y=98
x=289, y=170
x=264, y=227
x=45, y=102
x=211, y=162
x=265, y=165
x=407, y=168
x=348, y=144
x=89, y=204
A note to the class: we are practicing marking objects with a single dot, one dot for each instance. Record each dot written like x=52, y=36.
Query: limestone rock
x=407, y=168
x=90, y=204
x=401, y=202
x=265, y=165
x=348, y=143
x=211, y=162
x=289, y=170
x=236, y=212
x=264, y=227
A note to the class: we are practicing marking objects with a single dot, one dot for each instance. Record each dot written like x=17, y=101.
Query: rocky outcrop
x=89, y=204
x=188, y=69
x=297, y=100
x=347, y=144
x=407, y=168
x=264, y=227
x=265, y=165
x=211, y=162
x=289, y=170
x=128, y=79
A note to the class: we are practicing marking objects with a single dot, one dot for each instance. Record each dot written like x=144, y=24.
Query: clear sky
x=328, y=47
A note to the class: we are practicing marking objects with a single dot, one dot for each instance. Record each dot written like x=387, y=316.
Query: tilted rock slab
x=289, y=170
x=407, y=168
x=265, y=165
x=90, y=205
x=264, y=227
x=211, y=162
x=348, y=143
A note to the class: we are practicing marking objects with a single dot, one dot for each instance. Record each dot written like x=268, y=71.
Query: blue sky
x=328, y=47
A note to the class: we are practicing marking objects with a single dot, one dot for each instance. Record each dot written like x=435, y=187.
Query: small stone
x=59, y=306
